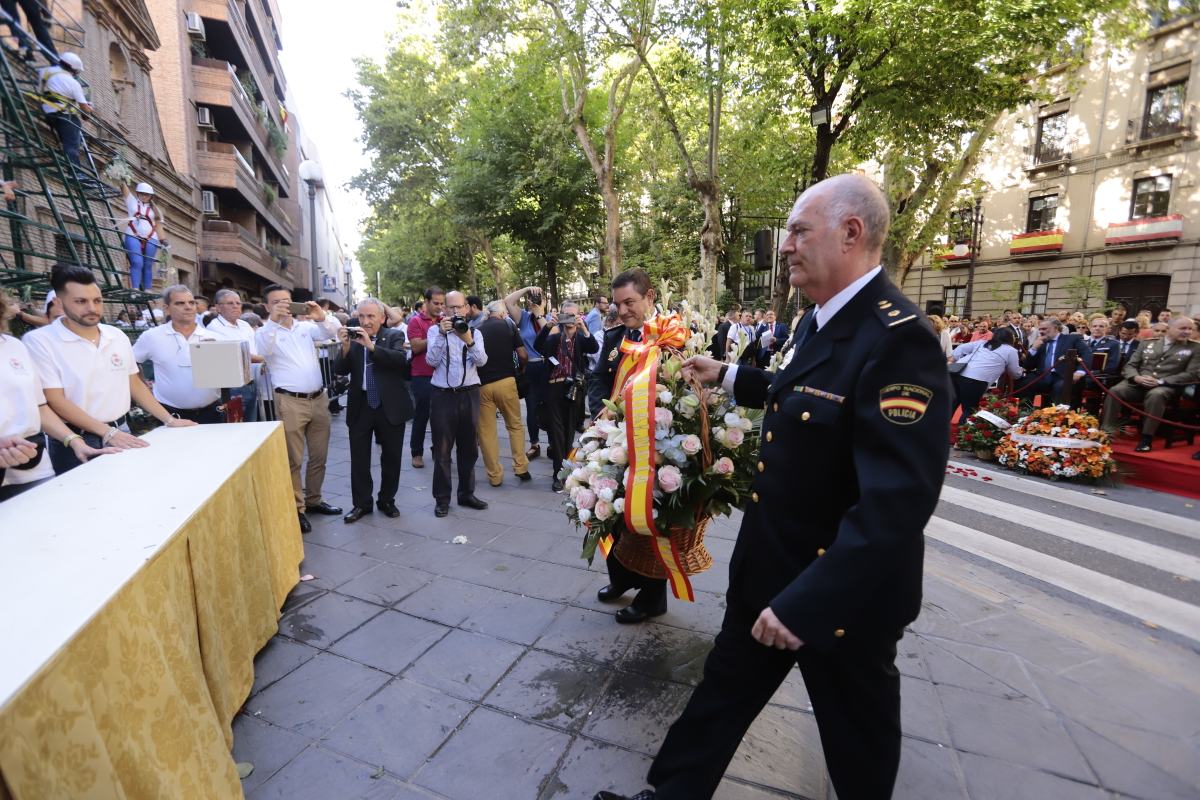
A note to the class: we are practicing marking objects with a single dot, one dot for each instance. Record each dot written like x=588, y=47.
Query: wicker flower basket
x=636, y=551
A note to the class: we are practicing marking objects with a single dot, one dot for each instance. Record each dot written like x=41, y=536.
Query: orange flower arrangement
x=1042, y=458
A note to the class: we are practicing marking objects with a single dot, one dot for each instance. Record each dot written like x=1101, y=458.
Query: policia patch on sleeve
x=904, y=403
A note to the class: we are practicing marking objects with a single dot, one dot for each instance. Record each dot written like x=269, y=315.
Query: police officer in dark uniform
x=828, y=564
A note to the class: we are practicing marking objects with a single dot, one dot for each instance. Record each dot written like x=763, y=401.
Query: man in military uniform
x=1154, y=376
x=634, y=300
x=828, y=563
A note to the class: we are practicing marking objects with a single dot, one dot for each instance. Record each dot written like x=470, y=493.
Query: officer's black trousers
x=652, y=592
x=855, y=692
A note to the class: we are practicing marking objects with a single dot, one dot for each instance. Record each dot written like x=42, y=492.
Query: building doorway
x=1136, y=292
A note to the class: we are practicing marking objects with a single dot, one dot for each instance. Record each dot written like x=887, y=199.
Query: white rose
x=731, y=418
x=665, y=397
x=584, y=515
x=606, y=495
x=746, y=424
x=719, y=435
x=619, y=505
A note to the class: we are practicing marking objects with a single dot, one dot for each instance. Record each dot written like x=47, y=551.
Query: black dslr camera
x=459, y=323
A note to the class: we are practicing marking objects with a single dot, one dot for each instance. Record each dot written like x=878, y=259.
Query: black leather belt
x=301, y=395
x=176, y=411
x=39, y=442
x=457, y=389
x=116, y=423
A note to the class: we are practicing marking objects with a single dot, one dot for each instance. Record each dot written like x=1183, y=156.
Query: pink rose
x=603, y=510
x=734, y=437
x=663, y=417
x=691, y=444
x=669, y=478
x=618, y=456
x=585, y=498
x=723, y=466
x=600, y=484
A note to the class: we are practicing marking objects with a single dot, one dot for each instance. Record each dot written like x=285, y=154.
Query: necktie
x=372, y=388
x=806, y=330
x=1050, y=353
x=633, y=336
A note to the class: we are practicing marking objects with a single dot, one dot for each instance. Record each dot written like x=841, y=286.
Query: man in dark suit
x=1050, y=348
x=828, y=563
x=379, y=405
x=776, y=334
x=720, y=342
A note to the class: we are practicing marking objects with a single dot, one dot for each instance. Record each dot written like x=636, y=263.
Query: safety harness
x=57, y=102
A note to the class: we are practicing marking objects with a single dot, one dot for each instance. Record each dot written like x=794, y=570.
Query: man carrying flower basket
x=828, y=564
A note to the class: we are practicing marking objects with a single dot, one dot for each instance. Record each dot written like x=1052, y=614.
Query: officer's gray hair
x=174, y=289
x=223, y=293
x=855, y=195
x=495, y=307
x=372, y=301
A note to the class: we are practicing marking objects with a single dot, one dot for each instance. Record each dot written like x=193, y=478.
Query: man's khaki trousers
x=501, y=395
x=305, y=422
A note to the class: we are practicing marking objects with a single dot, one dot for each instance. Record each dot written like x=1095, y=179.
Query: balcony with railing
x=1151, y=131
x=230, y=37
x=216, y=85
x=222, y=166
x=258, y=18
x=227, y=242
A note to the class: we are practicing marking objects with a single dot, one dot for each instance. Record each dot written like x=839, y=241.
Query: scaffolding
x=63, y=213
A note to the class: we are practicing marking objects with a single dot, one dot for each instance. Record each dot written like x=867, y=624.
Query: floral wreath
x=1058, y=442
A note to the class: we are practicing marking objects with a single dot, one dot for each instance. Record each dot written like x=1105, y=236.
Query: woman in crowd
x=984, y=364
x=943, y=333
x=1143, y=319
x=24, y=415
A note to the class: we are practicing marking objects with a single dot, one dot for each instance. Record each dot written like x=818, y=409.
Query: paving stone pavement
x=412, y=667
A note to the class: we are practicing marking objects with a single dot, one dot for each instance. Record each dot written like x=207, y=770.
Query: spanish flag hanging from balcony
x=283, y=115
x=1023, y=244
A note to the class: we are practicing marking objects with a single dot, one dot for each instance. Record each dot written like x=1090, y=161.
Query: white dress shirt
x=22, y=391
x=170, y=352
x=987, y=365
x=94, y=377
x=451, y=368
x=221, y=329
x=291, y=353
x=824, y=314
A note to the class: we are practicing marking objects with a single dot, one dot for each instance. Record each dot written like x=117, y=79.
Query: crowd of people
x=1079, y=359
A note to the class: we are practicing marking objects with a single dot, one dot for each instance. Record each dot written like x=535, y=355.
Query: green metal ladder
x=31, y=150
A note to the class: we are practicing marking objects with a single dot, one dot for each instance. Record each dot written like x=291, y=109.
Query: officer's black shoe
x=1143, y=446
x=324, y=508
x=389, y=509
x=471, y=501
x=356, y=514
x=305, y=525
x=557, y=485
x=646, y=795
x=1196, y=456
x=610, y=593
x=441, y=509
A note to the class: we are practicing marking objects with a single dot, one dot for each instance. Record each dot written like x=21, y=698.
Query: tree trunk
x=472, y=274
x=612, y=223
x=492, y=267
x=712, y=243
x=822, y=150
x=781, y=292
x=552, y=279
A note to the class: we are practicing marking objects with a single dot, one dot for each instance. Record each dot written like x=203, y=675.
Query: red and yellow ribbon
x=637, y=376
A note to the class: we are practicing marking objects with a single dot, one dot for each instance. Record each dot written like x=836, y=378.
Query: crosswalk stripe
x=1166, y=612
x=1088, y=502
x=1152, y=555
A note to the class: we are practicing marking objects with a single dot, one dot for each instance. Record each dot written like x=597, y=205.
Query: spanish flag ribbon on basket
x=635, y=382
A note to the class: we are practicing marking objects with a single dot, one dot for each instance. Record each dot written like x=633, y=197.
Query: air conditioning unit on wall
x=195, y=25
x=208, y=202
x=204, y=117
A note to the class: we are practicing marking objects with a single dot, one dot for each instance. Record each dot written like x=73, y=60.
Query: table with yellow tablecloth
x=134, y=594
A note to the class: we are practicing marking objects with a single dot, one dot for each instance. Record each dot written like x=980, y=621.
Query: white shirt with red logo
x=93, y=377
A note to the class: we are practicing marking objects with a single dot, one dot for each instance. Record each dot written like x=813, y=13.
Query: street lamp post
x=349, y=266
x=973, y=215
x=310, y=173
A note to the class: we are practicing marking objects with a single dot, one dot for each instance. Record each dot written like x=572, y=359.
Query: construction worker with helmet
x=141, y=235
x=62, y=96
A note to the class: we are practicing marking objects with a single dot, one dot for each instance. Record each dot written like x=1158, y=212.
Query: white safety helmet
x=144, y=188
x=71, y=62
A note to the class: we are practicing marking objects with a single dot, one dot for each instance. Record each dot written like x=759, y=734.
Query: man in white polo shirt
x=229, y=325
x=167, y=347
x=288, y=346
x=88, y=372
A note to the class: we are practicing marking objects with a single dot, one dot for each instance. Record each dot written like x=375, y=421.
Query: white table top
x=68, y=546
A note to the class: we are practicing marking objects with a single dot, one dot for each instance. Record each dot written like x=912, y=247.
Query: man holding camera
x=565, y=346
x=529, y=323
x=287, y=346
x=378, y=405
x=454, y=353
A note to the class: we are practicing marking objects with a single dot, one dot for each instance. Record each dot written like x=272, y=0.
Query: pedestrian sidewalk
x=414, y=667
